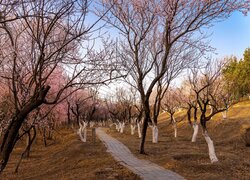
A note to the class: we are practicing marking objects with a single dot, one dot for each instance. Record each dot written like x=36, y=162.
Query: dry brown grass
x=191, y=160
x=66, y=158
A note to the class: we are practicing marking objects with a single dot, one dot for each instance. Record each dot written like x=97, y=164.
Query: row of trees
x=47, y=54
x=159, y=39
x=202, y=95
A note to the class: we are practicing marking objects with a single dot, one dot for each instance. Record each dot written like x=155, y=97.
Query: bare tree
x=156, y=33
x=171, y=103
x=210, y=93
x=121, y=108
x=188, y=102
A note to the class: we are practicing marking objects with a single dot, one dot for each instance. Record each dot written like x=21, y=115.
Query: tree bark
x=132, y=126
x=9, y=139
x=175, y=127
x=211, y=149
x=31, y=140
x=195, y=133
x=155, y=134
x=139, y=129
x=117, y=127
x=144, y=132
x=26, y=152
x=93, y=135
x=44, y=137
x=83, y=129
x=224, y=114
x=174, y=123
x=122, y=127
x=146, y=109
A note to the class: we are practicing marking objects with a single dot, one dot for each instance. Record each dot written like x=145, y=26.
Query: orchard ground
x=191, y=160
x=66, y=157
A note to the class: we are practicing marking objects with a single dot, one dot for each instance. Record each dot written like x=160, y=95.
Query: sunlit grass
x=191, y=159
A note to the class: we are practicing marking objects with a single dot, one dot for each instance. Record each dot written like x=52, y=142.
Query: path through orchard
x=145, y=169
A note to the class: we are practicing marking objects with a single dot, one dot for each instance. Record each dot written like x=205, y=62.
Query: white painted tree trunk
x=139, y=130
x=117, y=127
x=224, y=114
x=91, y=124
x=122, y=127
x=211, y=149
x=83, y=130
x=111, y=125
x=85, y=134
x=195, y=133
x=155, y=134
x=132, y=126
x=175, y=127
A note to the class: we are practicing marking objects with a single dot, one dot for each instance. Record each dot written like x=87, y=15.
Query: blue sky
x=229, y=37
x=232, y=36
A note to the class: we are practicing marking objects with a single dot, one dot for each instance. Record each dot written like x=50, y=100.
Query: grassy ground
x=191, y=160
x=66, y=157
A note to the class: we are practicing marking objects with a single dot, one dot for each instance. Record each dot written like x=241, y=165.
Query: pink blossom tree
x=39, y=38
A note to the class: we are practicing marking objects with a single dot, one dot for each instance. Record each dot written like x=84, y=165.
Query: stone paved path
x=145, y=169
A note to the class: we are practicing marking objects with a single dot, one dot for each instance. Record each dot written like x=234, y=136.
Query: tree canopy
x=236, y=74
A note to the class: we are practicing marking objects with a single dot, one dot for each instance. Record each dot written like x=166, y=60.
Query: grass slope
x=191, y=160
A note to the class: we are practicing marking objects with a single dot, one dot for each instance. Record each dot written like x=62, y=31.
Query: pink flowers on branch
x=45, y=51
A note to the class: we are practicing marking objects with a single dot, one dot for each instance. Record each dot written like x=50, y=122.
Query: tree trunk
x=80, y=133
x=49, y=134
x=132, y=126
x=139, y=129
x=175, y=129
x=26, y=152
x=122, y=127
x=154, y=134
x=93, y=135
x=146, y=109
x=224, y=114
x=44, y=137
x=9, y=139
x=91, y=124
x=68, y=113
x=83, y=130
x=85, y=134
x=28, y=140
x=31, y=140
x=174, y=125
x=211, y=149
x=195, y=133
x=117, y=127
x=144, y=132
x=77, y=119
